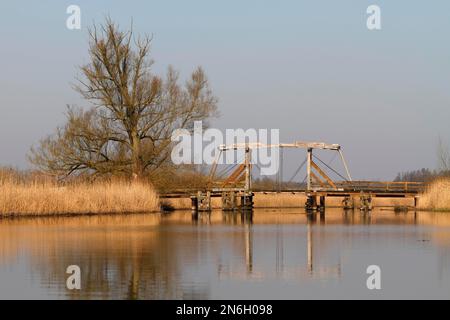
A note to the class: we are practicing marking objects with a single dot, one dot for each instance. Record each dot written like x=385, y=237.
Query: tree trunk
x=137, y=167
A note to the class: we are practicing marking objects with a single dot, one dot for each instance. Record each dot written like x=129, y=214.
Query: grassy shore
x=436, y=196
x=37, y=197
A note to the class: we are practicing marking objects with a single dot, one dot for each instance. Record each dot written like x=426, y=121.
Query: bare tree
x=443, y=155
x=133, y=112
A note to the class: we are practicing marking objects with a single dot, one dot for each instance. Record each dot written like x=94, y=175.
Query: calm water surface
x=275, y=254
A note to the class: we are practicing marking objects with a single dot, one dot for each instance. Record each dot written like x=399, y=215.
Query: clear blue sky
x=309, y=68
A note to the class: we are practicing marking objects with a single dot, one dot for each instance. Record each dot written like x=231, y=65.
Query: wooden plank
x=315, y=177
x=235, y=174
x=323, y=174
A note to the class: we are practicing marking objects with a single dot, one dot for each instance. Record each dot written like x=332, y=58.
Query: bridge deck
x=375, y=188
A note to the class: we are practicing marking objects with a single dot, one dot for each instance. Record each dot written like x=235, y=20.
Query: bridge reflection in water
x=246, y=220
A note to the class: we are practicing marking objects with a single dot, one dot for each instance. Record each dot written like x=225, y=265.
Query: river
x=272, y=254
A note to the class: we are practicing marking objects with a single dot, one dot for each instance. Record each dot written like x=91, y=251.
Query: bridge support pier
x=201, y=201
x=348, y=203
x=229, y=201
x=312, y=205
x=247, y=201
x=194, y=203
x=365, y=202
x=321, y=204
x=311, y=202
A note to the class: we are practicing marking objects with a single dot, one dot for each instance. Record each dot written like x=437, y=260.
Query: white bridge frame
x=310, y=164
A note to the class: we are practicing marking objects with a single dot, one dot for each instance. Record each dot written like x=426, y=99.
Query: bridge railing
x=382, y=186
x=355, y=186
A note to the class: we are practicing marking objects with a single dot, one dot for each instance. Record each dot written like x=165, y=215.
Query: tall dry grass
x=436, y=196
x=27, y=195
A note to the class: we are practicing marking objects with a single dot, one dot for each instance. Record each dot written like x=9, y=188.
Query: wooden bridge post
x=365, y=202
x=247, y=201
x=348, y=203
x=208, y=201
x=229, y=201
x=311, y=202
x=322, y=203
x=308, y=169
x=248, y=171
x=201, y=201
x=194, y=203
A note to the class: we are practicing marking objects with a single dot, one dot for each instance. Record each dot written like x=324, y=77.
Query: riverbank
x=46, y=198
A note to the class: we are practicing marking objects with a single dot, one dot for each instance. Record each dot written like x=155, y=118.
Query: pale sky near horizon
x=310, y=68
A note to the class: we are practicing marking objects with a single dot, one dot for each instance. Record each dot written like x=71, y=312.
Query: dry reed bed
x=47, y=198
x=436, y=196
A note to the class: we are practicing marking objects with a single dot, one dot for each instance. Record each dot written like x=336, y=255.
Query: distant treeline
x=421, y=175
